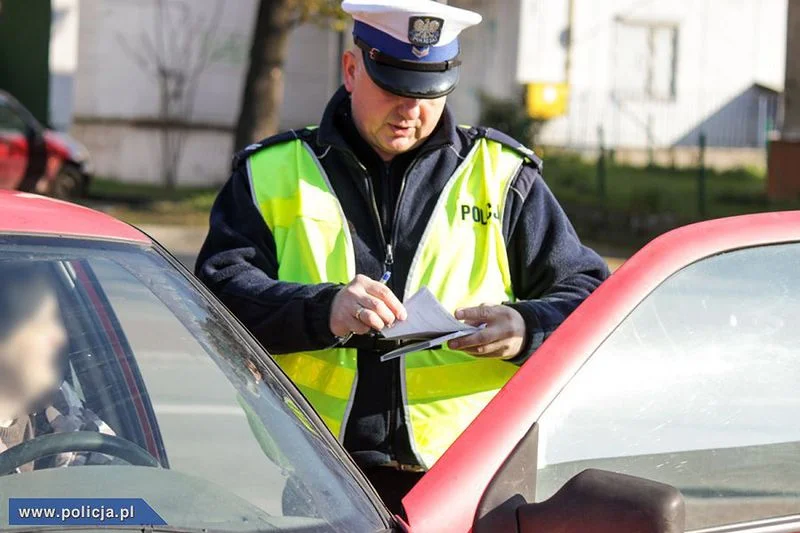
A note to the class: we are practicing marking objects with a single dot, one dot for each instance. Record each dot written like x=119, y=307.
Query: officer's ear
x=350, y=67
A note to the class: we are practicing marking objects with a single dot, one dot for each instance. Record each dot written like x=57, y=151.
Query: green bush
x=649, y=200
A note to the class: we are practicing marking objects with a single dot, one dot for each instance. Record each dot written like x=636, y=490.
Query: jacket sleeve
x=551, y=271
x=239, y=263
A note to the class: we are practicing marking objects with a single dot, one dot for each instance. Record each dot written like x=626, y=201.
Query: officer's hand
x=504, y=335
x=364, y=304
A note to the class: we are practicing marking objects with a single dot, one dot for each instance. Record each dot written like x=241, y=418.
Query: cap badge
x=424, y=31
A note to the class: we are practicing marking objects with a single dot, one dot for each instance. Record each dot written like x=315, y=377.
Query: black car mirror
x=597, y=501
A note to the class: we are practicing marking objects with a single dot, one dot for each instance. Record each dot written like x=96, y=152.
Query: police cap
x=410, y=46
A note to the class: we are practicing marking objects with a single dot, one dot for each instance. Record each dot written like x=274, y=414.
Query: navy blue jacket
x=387, y=204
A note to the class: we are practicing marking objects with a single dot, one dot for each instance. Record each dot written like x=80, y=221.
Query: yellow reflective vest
x=461, y=259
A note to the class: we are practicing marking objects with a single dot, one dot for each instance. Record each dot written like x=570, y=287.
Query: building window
x=645, y=60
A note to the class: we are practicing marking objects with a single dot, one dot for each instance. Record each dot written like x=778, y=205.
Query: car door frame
x=452, y=491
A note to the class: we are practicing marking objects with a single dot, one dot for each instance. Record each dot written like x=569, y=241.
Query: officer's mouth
x=402, y=131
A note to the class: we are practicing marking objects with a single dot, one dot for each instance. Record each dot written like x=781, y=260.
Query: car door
x=683, y=368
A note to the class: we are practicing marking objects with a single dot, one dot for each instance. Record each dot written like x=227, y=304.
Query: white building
x=63, y=61
x=654, y=74
x=651, y=73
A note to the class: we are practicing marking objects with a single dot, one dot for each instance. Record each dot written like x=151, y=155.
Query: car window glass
x=696, y=388
x=123, y=345
x=75, y=381
x=10, y=121
x=200, y=422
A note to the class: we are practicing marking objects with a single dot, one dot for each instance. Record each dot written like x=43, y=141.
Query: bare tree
x=175, y=55
x=263, y=89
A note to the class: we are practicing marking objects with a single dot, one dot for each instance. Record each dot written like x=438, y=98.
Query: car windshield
x=121, y=378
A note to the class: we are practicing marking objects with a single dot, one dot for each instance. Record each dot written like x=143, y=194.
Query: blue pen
x=384, y=279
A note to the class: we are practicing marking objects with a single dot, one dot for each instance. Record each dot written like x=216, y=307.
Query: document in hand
x=428, y=321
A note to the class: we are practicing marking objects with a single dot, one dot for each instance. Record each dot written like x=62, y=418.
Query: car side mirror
x=596, y=501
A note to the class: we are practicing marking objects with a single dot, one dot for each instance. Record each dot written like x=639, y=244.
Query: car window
x=697, y=388
x=10, y=121
x=111, y=339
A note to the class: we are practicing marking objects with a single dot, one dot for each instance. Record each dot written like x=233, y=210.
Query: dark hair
x=23, y=287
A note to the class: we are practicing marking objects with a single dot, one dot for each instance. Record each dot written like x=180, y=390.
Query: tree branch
x=135, y=56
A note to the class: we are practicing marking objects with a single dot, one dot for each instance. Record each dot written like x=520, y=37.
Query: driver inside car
x=34, y=398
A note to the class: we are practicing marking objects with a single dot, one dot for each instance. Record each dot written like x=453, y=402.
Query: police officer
x=311, y=219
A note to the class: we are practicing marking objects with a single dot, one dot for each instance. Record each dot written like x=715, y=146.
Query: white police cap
x=410, y=47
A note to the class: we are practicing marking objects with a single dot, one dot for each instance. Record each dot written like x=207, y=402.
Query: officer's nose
x=409, y=108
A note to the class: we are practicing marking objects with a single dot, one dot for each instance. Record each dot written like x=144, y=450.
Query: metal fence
x=735, y=127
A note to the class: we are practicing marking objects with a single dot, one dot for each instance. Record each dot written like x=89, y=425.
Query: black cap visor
x=412, y=83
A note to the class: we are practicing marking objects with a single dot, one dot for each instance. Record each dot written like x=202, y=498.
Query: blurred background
x=649, y=114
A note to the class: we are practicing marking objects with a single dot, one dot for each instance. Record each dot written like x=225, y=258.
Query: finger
x=494, y=355
x=385, y=294
x=480, y=314
x=356, y=326
x=371, y=319
x=484, y=336
x=497, y=348
x=380, y=308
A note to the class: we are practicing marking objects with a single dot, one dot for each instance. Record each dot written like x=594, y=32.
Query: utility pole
x=568, y=44
x=783, y=180
x=791, y=96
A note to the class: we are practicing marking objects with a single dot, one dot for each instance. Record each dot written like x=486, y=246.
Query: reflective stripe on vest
x=461, y=258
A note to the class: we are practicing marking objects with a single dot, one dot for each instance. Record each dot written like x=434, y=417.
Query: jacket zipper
x=393, y=237
x=397, y=395
x=388, y=261
x=388, y=246
x=388, y=258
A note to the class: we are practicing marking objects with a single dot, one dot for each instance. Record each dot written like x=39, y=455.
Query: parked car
x=36, y=159
x=667, y=401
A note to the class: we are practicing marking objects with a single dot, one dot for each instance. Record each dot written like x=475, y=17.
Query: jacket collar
x=329, y=134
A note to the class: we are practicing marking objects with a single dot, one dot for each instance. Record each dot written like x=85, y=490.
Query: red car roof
x=27, y=213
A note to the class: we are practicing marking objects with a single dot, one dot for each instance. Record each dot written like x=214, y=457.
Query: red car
x=667, y=402
x=36, y=159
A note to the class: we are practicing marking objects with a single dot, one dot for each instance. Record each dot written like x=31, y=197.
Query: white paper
x=427, y=319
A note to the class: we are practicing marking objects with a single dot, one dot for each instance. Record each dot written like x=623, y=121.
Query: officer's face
x=391, y=124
